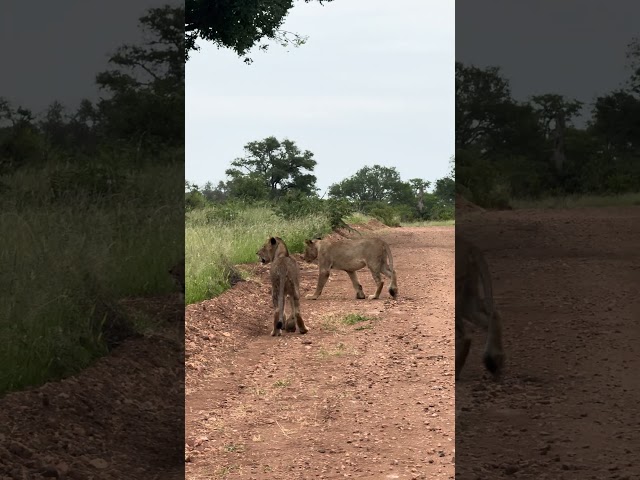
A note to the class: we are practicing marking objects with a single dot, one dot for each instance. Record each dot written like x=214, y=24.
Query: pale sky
x=53, y=50
x=573, y=47
x=373, y=85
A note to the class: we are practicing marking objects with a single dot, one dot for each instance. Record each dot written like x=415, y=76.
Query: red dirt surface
x=373, y=400
x=464, y=206
x=118, y=419
x=566, y=283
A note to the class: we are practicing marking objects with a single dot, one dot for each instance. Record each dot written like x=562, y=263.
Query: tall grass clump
x=75, y=241
x=220, y=236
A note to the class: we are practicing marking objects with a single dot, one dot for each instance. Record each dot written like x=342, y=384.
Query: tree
x=419, y=187
x=374, y=184
x=616, y=118
x=54, y=129
x=145, y=106
x=276, y=166
x=479, y=96
x=21, y=142
x=239, y=24
x=550, y=105
x=633, y=58
x=445, y=190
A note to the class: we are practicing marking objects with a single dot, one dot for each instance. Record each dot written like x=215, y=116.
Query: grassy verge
x=429, y=223
x=357, y=218
x=579, y=201
x=216, y=242
x=68, y=256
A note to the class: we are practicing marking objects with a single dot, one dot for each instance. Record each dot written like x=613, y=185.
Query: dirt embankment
x=371, y=400
x=566, y=283
x=120, y=418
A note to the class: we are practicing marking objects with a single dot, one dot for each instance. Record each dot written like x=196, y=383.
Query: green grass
x=67, y=260
x=335, y=323
x=353, y=318
x=216, y=239
x=234, y=448
x=429, y=223
x=579, y=201
x=282, y=383
x=357, y=218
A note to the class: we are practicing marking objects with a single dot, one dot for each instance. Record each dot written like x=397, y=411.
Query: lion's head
x=273, y=247
x=310, y=250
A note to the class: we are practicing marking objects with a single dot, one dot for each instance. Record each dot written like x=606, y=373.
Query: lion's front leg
x=322, y=280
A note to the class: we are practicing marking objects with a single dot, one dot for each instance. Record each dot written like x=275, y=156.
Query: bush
x=194, y=200
x=297, y=205
x=337, y=210
x=387, y=214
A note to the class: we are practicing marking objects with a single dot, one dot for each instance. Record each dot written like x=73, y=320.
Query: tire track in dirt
x=373, y=400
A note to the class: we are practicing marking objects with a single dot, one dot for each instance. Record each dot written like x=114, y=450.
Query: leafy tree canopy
x=276, y=167
x=239, y=24
x=145, y=87
x=373, y=184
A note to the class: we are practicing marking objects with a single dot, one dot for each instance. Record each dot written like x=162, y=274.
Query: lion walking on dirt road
x=285, y=284
x=472, y=272
x=350, y=256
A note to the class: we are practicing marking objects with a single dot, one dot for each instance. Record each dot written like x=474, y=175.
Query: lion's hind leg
x=393, y=287
x=277, y=324
x=290, y=320
x=379, y=284
x=356, y=285
x=463, y=345
x=295, y=314
x=494, y=357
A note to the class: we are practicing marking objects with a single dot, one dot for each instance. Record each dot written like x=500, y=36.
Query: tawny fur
x=285, y=284
x=350, y=256
x=472, y=273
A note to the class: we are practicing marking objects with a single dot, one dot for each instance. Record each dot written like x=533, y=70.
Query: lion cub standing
x=285, y=283
x=471, y=273
x=352, y=255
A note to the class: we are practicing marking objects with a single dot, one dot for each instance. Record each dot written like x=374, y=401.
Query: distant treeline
x=140, y=117
x=280, y=174
x=507, y=149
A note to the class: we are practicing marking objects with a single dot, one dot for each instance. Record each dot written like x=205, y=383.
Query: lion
x=285, y=283
x=177, y=274
x=472, y=272
x=350, y=256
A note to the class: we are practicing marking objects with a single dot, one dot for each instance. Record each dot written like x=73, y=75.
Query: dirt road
x=369, y=400
x=566, y=282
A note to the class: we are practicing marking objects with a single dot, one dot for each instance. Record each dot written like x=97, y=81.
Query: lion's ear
x=273, y=241
x=308, y=242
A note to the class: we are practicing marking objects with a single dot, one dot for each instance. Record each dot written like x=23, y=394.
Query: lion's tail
x=393, y=288
x=280, y=323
